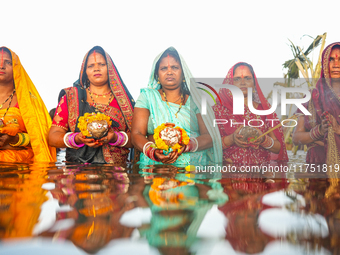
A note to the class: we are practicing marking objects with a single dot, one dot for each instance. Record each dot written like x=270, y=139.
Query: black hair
x=99, y=50
x=173, y=53
x=6, y=50
x=337, y=46
x=247, y=65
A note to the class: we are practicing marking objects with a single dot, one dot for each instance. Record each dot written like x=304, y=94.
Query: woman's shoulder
x=69, y=91
x=149, y=91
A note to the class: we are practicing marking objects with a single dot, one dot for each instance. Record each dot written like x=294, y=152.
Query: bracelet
x=66, y=141
x=126, y=139
x=18, y=142
x=268, y=143
x=144, y=147
x=193, y=144
x=119, y=141
x=150, y=151
x=315, y=133
x=71, y=140
x=23, y=141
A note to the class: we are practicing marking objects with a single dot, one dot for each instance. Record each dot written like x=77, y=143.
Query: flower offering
x=250, y=134
x=94, y=125
x=167, y=137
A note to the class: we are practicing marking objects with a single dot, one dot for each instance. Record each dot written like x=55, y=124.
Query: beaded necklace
x=10, y=96
x=95, y=104
x=180, y=106
x=2, y=120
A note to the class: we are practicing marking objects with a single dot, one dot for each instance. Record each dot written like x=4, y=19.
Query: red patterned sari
x=324, y=99
x=250, y=155
x=73, y=104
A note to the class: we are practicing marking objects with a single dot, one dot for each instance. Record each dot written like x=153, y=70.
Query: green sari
x=161, y=112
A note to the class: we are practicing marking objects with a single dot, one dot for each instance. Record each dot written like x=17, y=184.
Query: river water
x=105, y=209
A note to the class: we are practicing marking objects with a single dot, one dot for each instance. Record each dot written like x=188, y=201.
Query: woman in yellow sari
x=24, y=120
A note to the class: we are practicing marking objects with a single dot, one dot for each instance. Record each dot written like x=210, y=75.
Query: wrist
x=77, y=140
x=268, y=142
x=14, y=139
x=225, y=142
x=150, y=151
x=121, y=139
x=70, y=141
x=315, y=133
x=114, y=137
x=20, y=139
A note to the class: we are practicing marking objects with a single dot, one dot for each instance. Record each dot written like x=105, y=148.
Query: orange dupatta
x=33, y=112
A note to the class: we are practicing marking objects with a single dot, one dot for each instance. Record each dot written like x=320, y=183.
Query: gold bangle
x=26, y=139
x=19, y=141
x=23, y=141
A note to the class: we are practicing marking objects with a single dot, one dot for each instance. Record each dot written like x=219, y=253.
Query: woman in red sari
x=235, y=151
x=100, y=89
x=320, y=131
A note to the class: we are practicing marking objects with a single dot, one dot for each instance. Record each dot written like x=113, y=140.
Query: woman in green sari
x=172, y=97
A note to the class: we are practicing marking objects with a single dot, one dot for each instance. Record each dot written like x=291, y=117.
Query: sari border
x=119, y=92
x=72, y=106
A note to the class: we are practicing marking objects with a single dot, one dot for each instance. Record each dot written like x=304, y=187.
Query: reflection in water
x=108, y=209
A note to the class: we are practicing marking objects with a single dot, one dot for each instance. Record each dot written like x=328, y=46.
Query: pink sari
x=250, y=155
x=324, y=99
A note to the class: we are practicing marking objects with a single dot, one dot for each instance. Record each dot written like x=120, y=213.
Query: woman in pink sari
x=320, y=131
x=236, y=151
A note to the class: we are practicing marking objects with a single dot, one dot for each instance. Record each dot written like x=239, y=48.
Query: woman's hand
x=326, y=121
x=79, y=139
x=111, y=137
x=257, y=141
x=6, y=139
x=237, y=139
x=166, y=159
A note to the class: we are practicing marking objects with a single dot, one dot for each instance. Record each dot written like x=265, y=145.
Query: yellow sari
x=32, y=117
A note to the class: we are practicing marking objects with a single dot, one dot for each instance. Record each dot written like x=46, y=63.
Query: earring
x=158, y=81
x=183, y=80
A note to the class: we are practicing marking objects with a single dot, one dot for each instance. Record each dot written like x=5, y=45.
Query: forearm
x=276, y=147
x=129, y=143
x=139, y=140
x=56, y=139
x=227, y=141
x=204, y=142
x=302, y=137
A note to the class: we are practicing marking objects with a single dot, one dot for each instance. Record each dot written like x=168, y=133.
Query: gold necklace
x=10, y=96
x=101, y=95
x=95, y=104
x=2, y=120
x=180, y=106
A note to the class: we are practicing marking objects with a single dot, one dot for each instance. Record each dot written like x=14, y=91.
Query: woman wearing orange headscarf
x=24, y=120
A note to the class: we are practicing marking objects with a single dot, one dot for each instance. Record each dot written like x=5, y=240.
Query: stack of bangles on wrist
x=122, y=139
x=192, y=146
x=23, y=141
x=149, y=151
x=315, y=133
x=268, y=142
x=70, y=142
